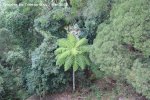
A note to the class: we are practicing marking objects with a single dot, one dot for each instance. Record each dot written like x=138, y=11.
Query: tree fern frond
x=75, y=65
x=86, y=59
x=81, y=42
x=63, y=55
x=57, y=56
x=81, y=61
x=72, y=39
x=85, y=48
x=68, y=63
x=60, y=50
x=60, y=62
x=62, y=42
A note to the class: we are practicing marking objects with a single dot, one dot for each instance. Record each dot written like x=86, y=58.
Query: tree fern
x=72, y=53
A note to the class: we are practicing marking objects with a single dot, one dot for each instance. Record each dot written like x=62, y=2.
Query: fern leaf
x=60, y=62
x=64, y=55
x=84, y=49
x=68, y=63
x=81, y=42
x=86, y=59
x=81, y=61
x=62, y=42
x=60, y=50
x=72, y=39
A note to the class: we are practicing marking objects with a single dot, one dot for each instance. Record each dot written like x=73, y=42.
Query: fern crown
x=72, y=53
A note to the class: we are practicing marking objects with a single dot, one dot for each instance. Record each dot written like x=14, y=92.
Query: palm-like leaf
x=60, y=62
x=86, y=59
x=62, y=57
x=63, y=43
x=85, y=48
x=81, y=61
x=68, y=62
x=60, y=50
x=72, y=40
x=82, y=42
x=72, y=52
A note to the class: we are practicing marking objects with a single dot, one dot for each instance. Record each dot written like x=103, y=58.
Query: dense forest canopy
x=94, y=38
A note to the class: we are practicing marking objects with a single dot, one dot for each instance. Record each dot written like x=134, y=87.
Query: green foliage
x=20, y=24
x=2, y=21
x=53, y=22
x=134, y=17
x=18, y=39
x=1, y=84
x=93, y=13
x=96, y=8
x=122, y=40
x=28, y=38
x=11, y=72
x=108, y=53
x=44, y=76
x=139, y=77
x=72, y=53
x=16, y=58
x=6, y=41
x=77, y=4
x=17, y=22
x=11, y=84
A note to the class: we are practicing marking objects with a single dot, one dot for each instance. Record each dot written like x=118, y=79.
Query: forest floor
x=100, y=90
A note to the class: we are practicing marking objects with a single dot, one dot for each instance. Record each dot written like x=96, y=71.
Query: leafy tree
x=54, y=22
x=11, y=87
x=95, y=12
x=72, y=53
x=139, y=76
x=122, y=40
x=20, y=51
x=17, y=39
x=89, y=14
x=44, y=76
x=6, y=41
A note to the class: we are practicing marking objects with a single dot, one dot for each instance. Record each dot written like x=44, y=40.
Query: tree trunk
x=41, y=97
x=73, y=81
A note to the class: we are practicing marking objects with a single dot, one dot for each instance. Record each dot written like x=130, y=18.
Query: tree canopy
x=108, y=38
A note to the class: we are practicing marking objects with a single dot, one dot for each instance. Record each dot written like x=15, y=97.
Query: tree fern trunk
x=41, y=97
x=73, y=81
